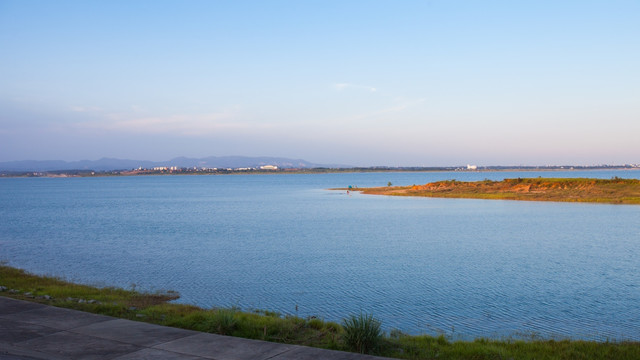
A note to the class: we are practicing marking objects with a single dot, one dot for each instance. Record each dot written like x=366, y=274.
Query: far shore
x=279, y=171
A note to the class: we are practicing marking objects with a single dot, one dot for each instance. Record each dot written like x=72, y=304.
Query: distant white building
x=268, y=167
x=472, y=167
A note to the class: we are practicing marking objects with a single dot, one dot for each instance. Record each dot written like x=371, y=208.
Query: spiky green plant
x=223, y=321
x=362, y=333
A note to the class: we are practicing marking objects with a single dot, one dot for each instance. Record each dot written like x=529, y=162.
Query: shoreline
x=584, y=190
x=270, y=326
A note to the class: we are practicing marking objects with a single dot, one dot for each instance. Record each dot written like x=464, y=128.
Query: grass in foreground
x=357, y=333
x=610, y=191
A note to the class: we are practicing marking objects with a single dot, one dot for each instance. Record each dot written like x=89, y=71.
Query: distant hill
x=107, y=164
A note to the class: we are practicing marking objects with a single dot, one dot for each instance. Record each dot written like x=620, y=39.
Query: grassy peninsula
x=609, y=191
x=356, y=333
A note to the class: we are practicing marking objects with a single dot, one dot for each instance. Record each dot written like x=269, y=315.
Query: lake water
x=467, y=268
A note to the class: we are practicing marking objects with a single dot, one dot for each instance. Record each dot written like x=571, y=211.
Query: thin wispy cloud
x=344, y=86
x=137, y=121
x=137, y=109
x=82, y=109
x=175, y=124
x=401, y=106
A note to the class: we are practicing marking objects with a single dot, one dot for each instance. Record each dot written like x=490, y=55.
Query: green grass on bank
x=356, y=333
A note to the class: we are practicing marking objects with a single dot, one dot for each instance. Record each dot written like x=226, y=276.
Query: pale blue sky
x=420, y=83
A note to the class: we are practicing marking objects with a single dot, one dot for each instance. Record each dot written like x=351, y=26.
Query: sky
x=365, y=83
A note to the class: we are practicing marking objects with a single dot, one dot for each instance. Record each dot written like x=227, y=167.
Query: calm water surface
x=471, y=268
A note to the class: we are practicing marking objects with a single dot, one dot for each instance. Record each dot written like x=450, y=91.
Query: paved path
x=31, y=331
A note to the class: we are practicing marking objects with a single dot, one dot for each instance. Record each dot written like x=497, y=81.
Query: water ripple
x=466, y=268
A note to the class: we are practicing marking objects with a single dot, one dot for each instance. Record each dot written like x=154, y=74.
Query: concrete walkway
x=34, y=331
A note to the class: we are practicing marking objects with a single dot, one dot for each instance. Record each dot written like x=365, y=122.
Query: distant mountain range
x=107, y=164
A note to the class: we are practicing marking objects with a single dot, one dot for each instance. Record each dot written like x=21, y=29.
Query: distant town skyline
x=364, y=83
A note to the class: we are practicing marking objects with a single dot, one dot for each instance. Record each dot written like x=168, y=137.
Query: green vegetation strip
x=359, y=333
x=608, y=191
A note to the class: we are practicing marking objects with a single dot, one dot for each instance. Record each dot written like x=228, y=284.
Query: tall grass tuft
x=362, y=333
x=222, y=321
